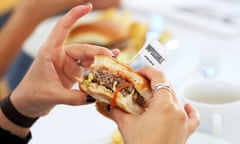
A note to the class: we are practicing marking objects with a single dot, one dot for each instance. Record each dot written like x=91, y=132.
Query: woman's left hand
x=51, y=76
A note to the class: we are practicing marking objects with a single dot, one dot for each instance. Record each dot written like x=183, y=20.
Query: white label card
x=152, y=54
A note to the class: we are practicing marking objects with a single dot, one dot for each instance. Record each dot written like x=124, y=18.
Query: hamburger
x=116, y=84
x=106, y=33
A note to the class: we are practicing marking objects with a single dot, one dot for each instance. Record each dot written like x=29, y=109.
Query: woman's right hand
x=165, y=122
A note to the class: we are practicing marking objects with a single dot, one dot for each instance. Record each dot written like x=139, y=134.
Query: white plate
x=196, y=138
x=202, y=138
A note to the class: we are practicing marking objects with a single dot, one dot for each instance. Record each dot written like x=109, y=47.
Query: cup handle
x=217, y=125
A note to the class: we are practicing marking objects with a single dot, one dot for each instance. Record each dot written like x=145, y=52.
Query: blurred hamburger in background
x=113, y=28
x=106, y=33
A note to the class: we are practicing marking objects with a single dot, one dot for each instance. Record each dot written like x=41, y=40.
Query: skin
x=26, y=17
x=165, y=122
x=51, y=76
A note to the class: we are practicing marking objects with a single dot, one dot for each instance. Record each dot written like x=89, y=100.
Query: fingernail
x=87, y=3
x=108, y=108
x=90, y=99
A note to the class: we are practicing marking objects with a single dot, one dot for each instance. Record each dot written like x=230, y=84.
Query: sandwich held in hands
x=113, y=83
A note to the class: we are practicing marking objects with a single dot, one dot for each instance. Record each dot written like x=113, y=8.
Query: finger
x=174, y=95
x=70, y=70
x=85, y=53
x=121, y=117
x=155, y=76
x=193, y=118
x=116, y=52
x=71, y=97
x=62, y=28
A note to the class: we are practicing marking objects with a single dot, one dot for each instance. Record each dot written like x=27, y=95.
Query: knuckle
x=182, y=116
x=168, y=107
x=197, y=122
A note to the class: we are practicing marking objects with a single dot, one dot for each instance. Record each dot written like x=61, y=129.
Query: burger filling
x=113, y=82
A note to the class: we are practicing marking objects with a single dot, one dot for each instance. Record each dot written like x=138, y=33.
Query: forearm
x=13, y=35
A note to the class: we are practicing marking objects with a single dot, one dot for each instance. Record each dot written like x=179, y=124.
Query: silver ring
x=79, y=63
x=158, y=86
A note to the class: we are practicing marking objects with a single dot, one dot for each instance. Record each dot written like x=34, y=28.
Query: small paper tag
x=152, y=54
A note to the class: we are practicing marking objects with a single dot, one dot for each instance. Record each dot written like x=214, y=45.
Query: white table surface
x=75, y=125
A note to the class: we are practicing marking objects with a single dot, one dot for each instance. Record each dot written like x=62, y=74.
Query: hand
x=165, y=122
x=51, y=76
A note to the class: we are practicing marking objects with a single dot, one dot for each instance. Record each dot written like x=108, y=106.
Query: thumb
x=71, y=97
x=193, y=118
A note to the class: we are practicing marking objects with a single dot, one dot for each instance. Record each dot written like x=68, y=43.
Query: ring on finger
x=79, y=64
x=159, y=86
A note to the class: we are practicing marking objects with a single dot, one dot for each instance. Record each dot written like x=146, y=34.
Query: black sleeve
x=8, y=138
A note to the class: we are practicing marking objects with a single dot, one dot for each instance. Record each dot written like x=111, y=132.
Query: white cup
x=218, y=104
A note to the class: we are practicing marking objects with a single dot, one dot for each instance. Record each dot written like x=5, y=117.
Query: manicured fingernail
x=108, y=108
x=87, y=3
x=90, y=99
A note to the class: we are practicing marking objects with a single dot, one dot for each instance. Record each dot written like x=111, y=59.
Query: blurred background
x=201, y=37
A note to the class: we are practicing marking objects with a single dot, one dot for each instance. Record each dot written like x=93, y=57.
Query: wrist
x=14, y=115
x=14, y=129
